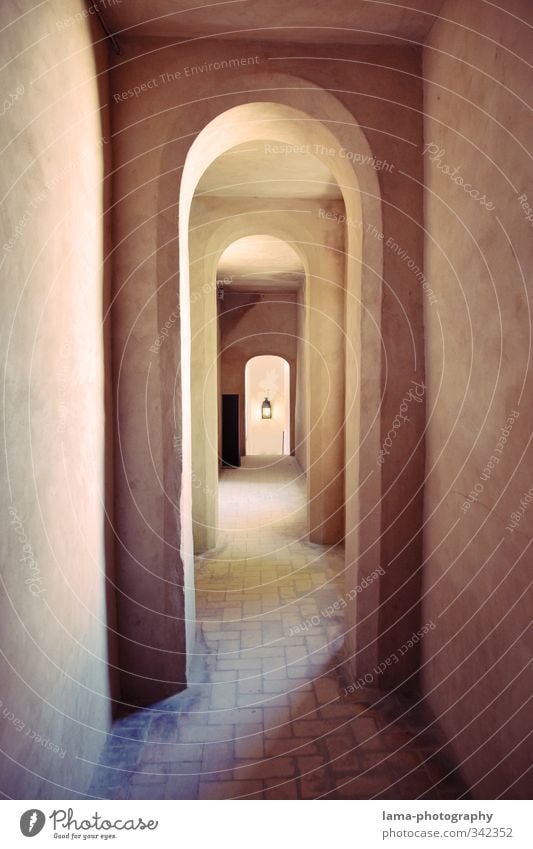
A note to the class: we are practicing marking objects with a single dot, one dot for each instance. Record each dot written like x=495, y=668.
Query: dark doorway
x=230, y=431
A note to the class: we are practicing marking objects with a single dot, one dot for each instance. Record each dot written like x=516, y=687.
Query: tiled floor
x=265, y=716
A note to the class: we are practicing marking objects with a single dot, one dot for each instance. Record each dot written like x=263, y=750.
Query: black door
x=231, y=455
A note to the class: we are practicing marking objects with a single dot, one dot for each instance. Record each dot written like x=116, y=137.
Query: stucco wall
x=55, y=142
x=478, y=245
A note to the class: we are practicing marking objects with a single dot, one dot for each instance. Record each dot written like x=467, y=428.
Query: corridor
x=266, y=715
x=345, y=190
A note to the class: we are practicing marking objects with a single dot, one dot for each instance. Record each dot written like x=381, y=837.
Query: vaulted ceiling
x=269, y=170
x=304, y=21
x=260, y=169
x=260, y=264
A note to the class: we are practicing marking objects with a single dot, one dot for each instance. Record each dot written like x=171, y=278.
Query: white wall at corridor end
x=267, y=376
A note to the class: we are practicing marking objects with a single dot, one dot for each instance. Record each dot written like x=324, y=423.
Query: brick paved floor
x=265, y=715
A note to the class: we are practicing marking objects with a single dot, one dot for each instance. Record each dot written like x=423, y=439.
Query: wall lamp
x=266, y=409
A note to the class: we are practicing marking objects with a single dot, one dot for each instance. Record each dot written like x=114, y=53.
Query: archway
x=319, y=243
x=267, y=405
x=360, y=319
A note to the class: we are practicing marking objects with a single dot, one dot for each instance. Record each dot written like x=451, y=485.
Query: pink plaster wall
x=55, y=140
x=478, y=567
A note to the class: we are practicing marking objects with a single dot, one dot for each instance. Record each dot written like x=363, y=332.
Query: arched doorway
x=267, y=405
x=155, y=560
x=358, y=322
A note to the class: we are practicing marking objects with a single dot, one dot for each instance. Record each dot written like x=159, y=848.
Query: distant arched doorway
x=267, y=405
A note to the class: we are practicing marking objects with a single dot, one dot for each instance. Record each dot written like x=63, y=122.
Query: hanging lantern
x=266, y=409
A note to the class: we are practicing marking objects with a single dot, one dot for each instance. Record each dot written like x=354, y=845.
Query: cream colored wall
x=204, y=377
x=55, y=142
x=478, y=250
x=301, y=413
x=324, y=299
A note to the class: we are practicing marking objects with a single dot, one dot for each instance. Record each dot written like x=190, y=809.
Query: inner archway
x=267, y=405
x=260, y=285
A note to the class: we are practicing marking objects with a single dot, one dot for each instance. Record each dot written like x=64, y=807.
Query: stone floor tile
x=206, y=733
x=275, y=716
x=360, y=787
x=364, y=729
x=276, y=789
x=250, y=748
x=230, y=789
x=251, y=686
x=223, y=696
x=310, y=728
x=299, y=672
x=338, y=713
x=147, y=791
x=310, y=764
x=217, y=756
x=326, y=691
x=294, y=747
x=264, y=715
x=149, y=774
x=250, y=664
x=228, y=647
x=163, y=752
x=280, y=732
x=339, y=744
x=313, y=785
x=180, y=787
x=280, y=767
x=244, y=716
